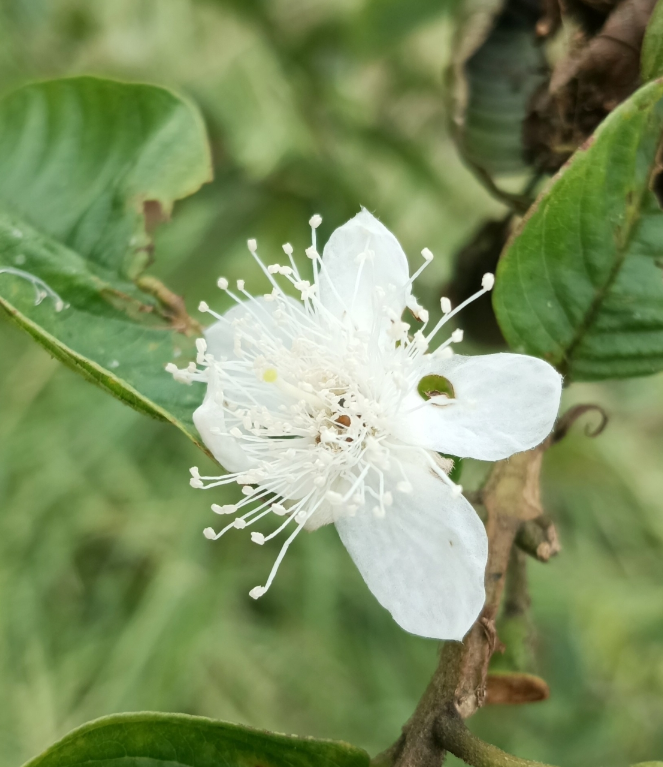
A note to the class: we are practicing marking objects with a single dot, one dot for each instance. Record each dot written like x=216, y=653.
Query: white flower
x=313, y=406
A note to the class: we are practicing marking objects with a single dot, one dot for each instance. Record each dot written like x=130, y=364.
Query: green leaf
x=580, y=283
x=81, y=162
x=498, y=65
x=177, y=740
x=651, y=65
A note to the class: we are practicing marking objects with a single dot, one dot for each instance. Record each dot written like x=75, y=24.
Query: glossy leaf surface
x=82, y=161
x=580, y=283
x=177, y=740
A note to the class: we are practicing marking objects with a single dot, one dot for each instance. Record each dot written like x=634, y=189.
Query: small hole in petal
x=434, y=386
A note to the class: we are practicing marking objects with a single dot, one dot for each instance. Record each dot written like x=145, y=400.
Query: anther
x=404, y=487
x=203, y=306
x=457, y=336
x=240, y=284
x=252, y=245
x=287, y=248
x=270, y=375
x=426, y=253
x=487, y=281
x=229, y=508
x=445, y=305
x=222, y=282
x=257, y=592
x=258, y=538
x=209, y=533
x=239, y=523
x=315, y=221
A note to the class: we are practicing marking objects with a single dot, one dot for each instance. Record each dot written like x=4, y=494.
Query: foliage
x=580, y=283
x=81, y=159
x=137, y=740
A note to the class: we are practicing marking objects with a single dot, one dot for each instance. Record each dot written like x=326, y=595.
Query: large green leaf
x=177, y=740
x=580, y=283
x=81, y=161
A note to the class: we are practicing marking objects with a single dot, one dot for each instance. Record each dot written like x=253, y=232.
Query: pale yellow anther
x=270, y=375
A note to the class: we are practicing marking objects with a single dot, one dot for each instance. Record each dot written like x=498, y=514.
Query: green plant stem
x=454, y=737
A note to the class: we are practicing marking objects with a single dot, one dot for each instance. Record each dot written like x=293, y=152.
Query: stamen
x=328, y=427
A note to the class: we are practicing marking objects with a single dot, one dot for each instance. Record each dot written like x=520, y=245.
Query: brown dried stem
x=538, y=538
x=171, y=305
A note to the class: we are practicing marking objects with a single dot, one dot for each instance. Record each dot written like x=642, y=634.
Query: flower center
x=304, y=397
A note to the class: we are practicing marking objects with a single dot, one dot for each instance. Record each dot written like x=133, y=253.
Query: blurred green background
x=110, y=597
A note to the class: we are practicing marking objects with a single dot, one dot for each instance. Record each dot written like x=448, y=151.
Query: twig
x=454, y=737
x=538, y=538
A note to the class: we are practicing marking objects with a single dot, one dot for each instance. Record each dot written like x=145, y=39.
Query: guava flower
x=330, y=409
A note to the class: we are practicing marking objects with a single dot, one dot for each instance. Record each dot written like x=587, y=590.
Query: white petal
x=425, y=559
x=209, y=419
x=505, y=403
x=220, y=339
x=349, y=286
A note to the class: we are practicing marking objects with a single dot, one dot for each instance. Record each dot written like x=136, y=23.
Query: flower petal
x=209, y=419
x=349, y=278
x=256, y=320
x=504, y=404
x=425, y=559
